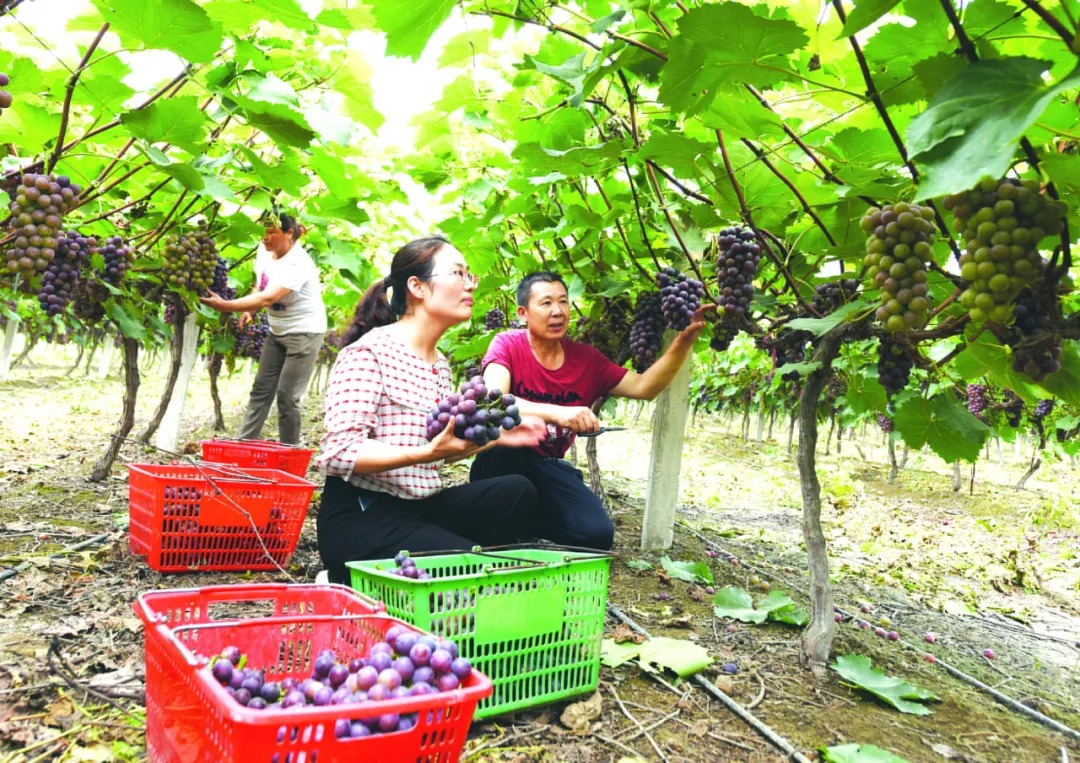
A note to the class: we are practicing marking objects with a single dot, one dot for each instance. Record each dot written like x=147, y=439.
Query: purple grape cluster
x=404, y=664
x=220, y=285
x=406, y=567
x=893, y=366
x=1038, y=351
x=1043, y=409
x=609, y=330
x=37, y=212
x=251, y=338
x=976, y=399
x=517, y=324
x=647, y=331
x=680, y=297
x=885, y=423
x=61, y=277
x=722, y=335
x=736, y=266
x=495, y=319
x=1013, y=407
x=5, y=97
x=478, y=414
x=787, y=346
x=117, y=256
x=830, y=296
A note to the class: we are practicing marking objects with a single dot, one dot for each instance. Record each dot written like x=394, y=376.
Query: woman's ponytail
x=373, y=311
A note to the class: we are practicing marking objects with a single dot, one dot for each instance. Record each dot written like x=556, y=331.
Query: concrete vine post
x=818, y=637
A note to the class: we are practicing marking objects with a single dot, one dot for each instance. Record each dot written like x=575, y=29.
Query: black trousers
x=355, y=524
x=568, y=512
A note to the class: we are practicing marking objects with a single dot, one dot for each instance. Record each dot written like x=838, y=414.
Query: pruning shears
x=600, y=431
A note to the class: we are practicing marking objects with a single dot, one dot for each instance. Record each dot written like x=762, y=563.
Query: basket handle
x=229, y=594
x=497, y=552
x=170, y=633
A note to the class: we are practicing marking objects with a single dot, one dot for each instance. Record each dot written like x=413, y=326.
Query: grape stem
x=72, y=81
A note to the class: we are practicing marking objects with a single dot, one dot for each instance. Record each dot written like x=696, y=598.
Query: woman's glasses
x=464, y=277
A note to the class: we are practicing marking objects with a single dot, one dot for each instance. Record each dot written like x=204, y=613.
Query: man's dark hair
x=524, y=289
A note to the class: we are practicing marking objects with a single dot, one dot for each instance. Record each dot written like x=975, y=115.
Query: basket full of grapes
x=203, y=517
x=321, y=688
x=259, y=454
x=531, y=619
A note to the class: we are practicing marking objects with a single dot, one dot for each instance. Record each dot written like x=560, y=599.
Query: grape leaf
x=943, y=423
x=734, y=602
x=130, y=326
x=856, y=753
x=897, y=692
x=682, y=657
x=639, y=564
x=972, y=125
x=821, y=326
x=409, y=24
x=865, y=13
x=691, y=572
x=719, y=48
x=177, y=25
x=174, y=120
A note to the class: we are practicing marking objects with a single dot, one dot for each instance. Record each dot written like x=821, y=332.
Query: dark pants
x=568, y=512
x=486, y=513
x=285, y=368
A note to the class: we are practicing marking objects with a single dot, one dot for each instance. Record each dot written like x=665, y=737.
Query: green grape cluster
x=898, y=249
x=190, y=260
x=1002, y=222
x=37, y=212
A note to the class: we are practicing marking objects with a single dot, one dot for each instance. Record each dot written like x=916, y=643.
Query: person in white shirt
x=287, y=284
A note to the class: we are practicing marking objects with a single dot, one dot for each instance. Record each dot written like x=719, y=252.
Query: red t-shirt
x=584, y=377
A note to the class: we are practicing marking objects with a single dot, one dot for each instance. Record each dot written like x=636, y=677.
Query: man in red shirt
x=559, y=380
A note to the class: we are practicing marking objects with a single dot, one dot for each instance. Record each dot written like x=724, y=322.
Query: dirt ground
x=995, y=568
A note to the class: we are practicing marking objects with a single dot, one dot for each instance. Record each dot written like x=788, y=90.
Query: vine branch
x=1051, y=20
x=72, y=81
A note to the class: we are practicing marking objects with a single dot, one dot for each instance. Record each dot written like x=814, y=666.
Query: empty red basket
x=258, y=454
x=178, y=607
x=191, y=719
x=188, y=518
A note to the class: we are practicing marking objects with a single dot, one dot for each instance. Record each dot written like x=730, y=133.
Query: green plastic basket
x=530, y=619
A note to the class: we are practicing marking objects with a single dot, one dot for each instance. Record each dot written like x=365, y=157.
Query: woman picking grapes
x=384, y=492
x=287, y=282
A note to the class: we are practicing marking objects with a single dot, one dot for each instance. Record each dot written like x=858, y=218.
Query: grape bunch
x=680, y=297
x=1013, y=407
x=220, y=285
x=251, y=338
x=5, y=96
x=190, y=261
x=885, y=423
x=37, y=213
x=495, y=319
x=404, y=664
x=1038, y=351
x=723, y=332
x=517, y=324
x=609, y=331
x=60, y=280
x=405, y=566
x=1043, y=409
x=787, y=346
x=976, y=399
x=647, y=331
x=897, y=251
x=118, y=258
x=736, y=265
x=477, y=413
x=893, y=366
x=1002, y=222
x=830, y=296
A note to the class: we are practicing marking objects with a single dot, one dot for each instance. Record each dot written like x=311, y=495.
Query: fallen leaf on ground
x=579, y=715
x=623, y=634
x=682, y=621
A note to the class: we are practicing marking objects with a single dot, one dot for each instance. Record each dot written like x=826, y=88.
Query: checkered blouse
x=379, y=390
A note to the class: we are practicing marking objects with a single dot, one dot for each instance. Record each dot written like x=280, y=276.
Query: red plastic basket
x=174, y=608
x=187, y=518
x=258, y=454
x=191, y=719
